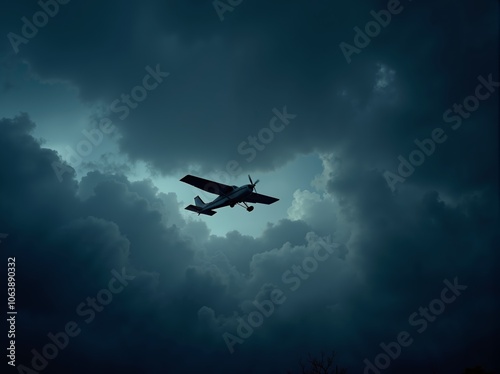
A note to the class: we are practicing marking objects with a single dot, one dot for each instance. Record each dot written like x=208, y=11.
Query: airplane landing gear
x=244, y=205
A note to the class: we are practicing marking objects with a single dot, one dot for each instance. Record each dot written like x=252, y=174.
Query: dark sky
x=385, y=160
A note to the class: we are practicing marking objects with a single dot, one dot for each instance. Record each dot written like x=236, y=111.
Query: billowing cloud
x=224, y=81
x=357, y=258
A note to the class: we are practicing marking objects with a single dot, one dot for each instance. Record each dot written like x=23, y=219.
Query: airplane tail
x=197, y=209
x=199, y=202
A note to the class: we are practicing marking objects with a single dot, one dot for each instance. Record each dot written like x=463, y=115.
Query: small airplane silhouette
x=228, y=195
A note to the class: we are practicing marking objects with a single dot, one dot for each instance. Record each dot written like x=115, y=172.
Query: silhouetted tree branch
x=322, y=365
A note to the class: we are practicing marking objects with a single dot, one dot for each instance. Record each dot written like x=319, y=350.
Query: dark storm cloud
x=187, y=293
x=69, y=239
x=66, y=248
x=226, y=77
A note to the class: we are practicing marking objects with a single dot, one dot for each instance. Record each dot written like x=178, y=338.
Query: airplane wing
x=206, y=185
x=261, y=199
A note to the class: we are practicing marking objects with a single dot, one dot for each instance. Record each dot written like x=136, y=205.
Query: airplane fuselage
x=237, y=195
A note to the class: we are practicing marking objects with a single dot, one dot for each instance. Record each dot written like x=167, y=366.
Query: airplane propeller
x=252, y=183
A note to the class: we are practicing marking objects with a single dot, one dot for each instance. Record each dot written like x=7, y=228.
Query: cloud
x=190, y=289
x=226, y=78
x=217, y=71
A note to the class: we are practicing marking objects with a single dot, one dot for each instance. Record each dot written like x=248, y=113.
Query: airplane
x=228, y=195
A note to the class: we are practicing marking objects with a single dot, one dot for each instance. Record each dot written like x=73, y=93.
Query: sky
x=375, y=124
